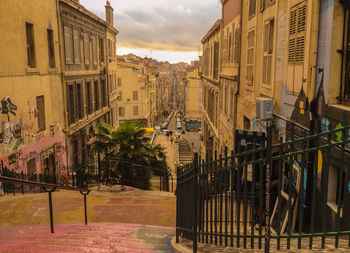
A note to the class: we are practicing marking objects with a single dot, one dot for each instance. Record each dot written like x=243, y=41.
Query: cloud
x=172, y=25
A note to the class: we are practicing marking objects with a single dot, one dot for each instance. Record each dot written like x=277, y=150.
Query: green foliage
x=128, y=154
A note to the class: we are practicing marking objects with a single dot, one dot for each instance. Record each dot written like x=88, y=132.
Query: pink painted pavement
x=94, y=237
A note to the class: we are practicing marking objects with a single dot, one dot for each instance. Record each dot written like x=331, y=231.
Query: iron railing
x=237, y=199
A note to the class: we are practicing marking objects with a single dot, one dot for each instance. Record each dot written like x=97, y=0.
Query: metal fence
x=266, y=196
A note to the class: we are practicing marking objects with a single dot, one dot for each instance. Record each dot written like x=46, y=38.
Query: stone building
x=211, y=85
x=193, y=93
x=84, y=66
x=32, y=137
x=133, y=88
x=111, y=33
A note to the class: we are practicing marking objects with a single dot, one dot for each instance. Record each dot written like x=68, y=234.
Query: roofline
x=82, y=9
x=211, y=30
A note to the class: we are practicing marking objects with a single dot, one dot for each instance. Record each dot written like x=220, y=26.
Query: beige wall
x=193, y=95
x=132, y=80
x=22, y=84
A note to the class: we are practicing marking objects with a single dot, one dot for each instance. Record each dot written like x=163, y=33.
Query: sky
x=167, y=30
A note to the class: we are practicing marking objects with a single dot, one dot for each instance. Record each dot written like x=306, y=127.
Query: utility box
x=264, y=108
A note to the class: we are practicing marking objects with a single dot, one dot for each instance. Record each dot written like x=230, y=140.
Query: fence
x=266, y=196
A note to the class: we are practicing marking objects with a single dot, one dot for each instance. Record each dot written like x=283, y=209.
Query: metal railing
x=47, y=187
x=259, y=196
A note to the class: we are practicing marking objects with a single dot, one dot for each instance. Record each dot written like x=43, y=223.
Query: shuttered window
x=97, y=95
x=232, y=45
x=88, y=98
x=250, y=57
x=121, y=111
x=297, y=28
x=101, y=50
x=237, y=45
x=94, y=50
x=40, y=106
x=68, y=45
x=71, y=104
x=103, y=93
x=252, y=8
x=76, y=45
x=136, y=110
x=51, y=47
x=30, y=45
x=268, y=50
x=86, y=49
x=80, y=105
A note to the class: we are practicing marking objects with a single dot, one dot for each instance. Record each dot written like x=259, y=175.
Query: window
x=136, y=110
x=51, y=47
x=97, y=96
x=68, y=52
x=216, y=60
x=119, y=82
x=109, y=49
x=226, y=100
x=333, y=198
x=30, y=45
x=101, y=51
x=252, y=8
x=229, y=57
x=237, y=45
x=80, y=105
x=76, y=46
x=200, y=96
x=86, y=49
x=71, y=104
x=268, y=50
x=135, y=95
x=120, y=96
x=104, y=93
x=246, y=123
x=40, y=106
x=88, y=98
x=94, y=50
x=250, y=57
x=121, y=111
x=297, y=27
x=199, y=109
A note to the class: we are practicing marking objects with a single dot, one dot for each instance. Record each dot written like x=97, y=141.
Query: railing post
x=268, y=183
x=50, y=206
x=85, y=209
x=194, y=233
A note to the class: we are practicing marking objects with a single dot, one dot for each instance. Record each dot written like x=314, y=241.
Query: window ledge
x=334, y=208
x=53, y=70
x=30, y=70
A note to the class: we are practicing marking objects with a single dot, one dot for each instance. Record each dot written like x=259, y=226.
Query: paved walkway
x=95, y=237
x=206, y=248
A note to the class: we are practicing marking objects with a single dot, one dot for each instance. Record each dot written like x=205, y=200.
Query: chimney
x=109, y=13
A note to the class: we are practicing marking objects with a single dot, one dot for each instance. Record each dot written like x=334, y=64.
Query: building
x=32, y=131
x=84, y=66
x=133, y=89
x=210, y=76
x=111, y=33
x=229, y=72
x=193, y=93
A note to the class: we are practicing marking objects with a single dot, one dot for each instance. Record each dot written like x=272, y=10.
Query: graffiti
x=6, y=107
x=12, y=135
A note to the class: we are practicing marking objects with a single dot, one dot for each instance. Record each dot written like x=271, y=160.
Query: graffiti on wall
x=11, y=135
x=7, y=107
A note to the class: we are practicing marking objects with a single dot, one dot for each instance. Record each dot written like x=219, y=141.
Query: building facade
x=84, y=66
x=211, y=60
x=32, y=137
x=193, y=94
x=133, y=89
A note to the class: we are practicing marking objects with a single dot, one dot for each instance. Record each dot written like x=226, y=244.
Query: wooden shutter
x=86, y=49
x=76, y=46
x=68, y=44
x=40, y=106
x=297, y=28
x=233, y=43
x=94, y=50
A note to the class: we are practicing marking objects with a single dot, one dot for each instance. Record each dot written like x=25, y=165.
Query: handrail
x=49, y=188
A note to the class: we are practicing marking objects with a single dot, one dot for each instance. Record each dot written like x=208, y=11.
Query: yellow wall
x=193, y=95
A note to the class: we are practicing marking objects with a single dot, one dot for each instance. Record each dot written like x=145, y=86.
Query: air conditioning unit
x=264, y=108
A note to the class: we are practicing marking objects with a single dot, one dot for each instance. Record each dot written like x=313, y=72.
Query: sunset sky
x=163, y=29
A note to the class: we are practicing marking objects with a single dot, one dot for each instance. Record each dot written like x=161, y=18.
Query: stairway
x=185, y=153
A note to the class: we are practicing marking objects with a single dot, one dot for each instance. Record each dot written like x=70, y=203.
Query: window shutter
x=76, y=46
x=86, y=49
x=297, y=28
x=293, y=22
x=68, y=44
x=233, y=43
x=94, y=50
x=302, y=18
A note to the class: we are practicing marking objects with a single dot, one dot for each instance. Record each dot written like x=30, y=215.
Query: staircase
x=185, y=153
